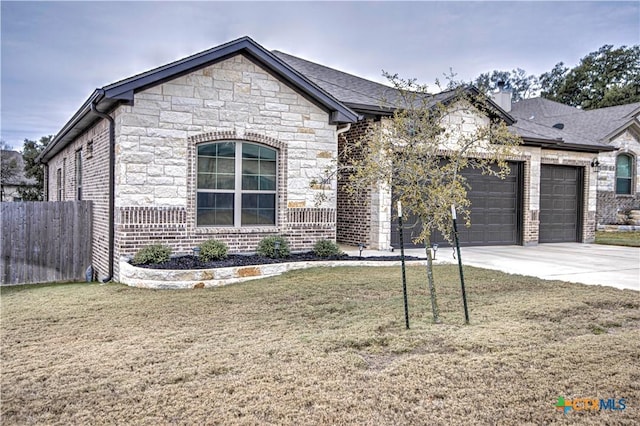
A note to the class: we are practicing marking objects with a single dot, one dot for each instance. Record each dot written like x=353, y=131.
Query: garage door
x=560, y=204
x=495, y=211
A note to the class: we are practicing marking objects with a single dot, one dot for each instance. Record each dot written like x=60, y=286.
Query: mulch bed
x=190, y=262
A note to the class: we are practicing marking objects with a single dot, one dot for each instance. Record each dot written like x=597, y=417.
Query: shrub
x=155, y=253
x=267, y=247
x=326, y=248
x=213, y=250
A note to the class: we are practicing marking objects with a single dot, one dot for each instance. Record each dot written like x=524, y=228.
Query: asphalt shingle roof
x=348, y=88
x=593, y=127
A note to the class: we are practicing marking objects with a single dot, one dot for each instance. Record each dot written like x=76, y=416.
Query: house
x=16, y=179
x=618, y=183
x=227, y=144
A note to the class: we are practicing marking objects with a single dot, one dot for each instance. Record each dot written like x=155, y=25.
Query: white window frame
x=238, y=191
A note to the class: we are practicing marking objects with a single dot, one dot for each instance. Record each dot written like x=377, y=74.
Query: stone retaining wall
x=199, y=278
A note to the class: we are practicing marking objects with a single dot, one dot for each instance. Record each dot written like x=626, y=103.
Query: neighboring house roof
x=591, y=127
x=107, y=97
x=19, y=178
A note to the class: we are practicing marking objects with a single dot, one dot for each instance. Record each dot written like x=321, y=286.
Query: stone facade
x=156, y=140
x=611, y=204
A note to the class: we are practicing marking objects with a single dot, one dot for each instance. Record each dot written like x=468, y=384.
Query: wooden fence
x=44, y=241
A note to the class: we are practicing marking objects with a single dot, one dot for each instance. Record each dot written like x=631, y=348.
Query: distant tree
x=420, y=151
x=8, y=166
x=606, y=77
x=32, y=169
x=522, y=86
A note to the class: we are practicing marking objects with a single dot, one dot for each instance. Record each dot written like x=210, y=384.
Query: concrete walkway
x=594, y=264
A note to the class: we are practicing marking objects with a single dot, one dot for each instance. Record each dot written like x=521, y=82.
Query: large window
x=624, y=174
x=236, y=184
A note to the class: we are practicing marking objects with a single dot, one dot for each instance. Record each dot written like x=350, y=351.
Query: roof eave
x=60, y=139
x=559, y=145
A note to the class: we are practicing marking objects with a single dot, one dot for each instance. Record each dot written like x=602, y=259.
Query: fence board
x=44, y=241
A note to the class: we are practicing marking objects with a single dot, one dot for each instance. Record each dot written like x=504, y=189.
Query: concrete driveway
x=596, y=264
x=612, y=266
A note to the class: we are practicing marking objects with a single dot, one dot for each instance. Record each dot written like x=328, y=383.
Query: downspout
x=112, y=184
x=343, y=130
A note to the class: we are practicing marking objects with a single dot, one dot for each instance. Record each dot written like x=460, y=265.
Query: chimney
x=502, y=97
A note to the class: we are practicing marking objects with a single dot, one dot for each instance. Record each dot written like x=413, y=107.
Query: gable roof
x=109, y=96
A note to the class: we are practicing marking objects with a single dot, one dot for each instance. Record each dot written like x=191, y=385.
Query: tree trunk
x=432, y=284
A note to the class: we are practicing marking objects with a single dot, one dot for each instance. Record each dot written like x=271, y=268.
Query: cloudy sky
x=54, y=54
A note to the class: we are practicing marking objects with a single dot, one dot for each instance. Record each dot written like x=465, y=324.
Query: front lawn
x=319, y=346
x=618, y=238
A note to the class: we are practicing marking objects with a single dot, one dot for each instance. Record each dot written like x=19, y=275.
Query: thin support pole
x=464, y=293
x=404, y=273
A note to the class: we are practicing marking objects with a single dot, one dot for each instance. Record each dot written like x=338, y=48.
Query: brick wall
x=94, y=144
x=353, y=210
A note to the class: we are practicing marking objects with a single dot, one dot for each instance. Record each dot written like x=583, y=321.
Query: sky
x=54, y=54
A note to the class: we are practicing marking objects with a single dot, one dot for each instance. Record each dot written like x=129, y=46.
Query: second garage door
x=560, y=204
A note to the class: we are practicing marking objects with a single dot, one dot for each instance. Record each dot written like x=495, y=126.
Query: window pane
x=267, y=201
x=250, y=151
x=267, y=153
x=208, y=149
x=250, y=167
x=226, y=182
x=267, y=183
x=623, y=166
x=226, y=165
x=250, y=183
x=258, y=209
x=267, y=167
x=250, y=201
x=623, y=186
x=206, y=181
x=206, y=164
x=215, y=209
x=216, y=166
x=226, y=149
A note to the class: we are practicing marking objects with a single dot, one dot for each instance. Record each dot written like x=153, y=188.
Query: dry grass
x=618, y=238
x=321, y=346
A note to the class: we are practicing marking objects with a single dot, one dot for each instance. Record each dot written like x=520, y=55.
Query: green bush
x=267, y=247
x=156, y=253
x=326, y=248
x=213, y=250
